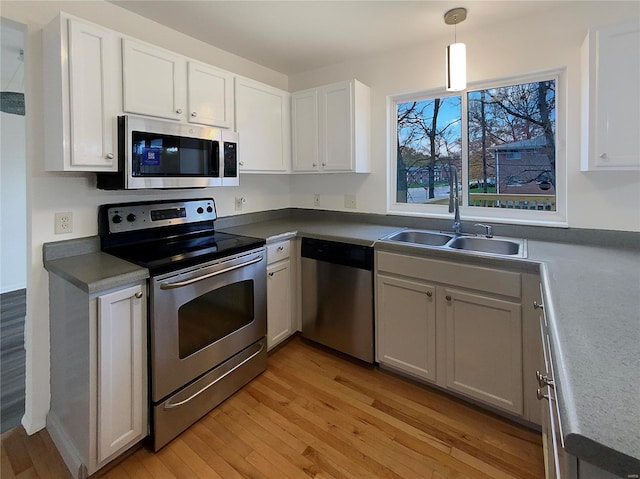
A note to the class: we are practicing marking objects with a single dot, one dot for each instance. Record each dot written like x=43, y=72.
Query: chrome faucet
x=454, y=200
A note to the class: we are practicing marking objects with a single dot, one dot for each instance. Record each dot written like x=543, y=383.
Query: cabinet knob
x=138, y=295
x=280, y=248
x=271, y=273
x=603, y=156
x=429, y=294
x=324, y=164
x=537, y=305
x=241, y=163
x=179, y=111
x=109, y=156
x=448, y=297
x=194, y=114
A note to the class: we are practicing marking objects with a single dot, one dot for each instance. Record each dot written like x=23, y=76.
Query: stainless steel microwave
x=167, y=154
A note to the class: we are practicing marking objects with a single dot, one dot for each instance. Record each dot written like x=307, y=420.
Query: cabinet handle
x=543, y=380
x=271, y=273
x=280, y=248
x=537, y=305
x=448, y=297
x=194, y=114
x=540, y=395
x=109, y=156
x=179, y=111
x=138, y=295
x=429, y=294
x=241, y=163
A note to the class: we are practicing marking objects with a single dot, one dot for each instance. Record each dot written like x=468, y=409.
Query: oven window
x=214, y=315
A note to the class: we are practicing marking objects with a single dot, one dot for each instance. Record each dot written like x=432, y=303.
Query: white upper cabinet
x=210, y=95
x=82, y=95
x=610, y=98
x=163, y=84
x=262, y=122
x=331, y=128
x=304, y=137
x=153, y=81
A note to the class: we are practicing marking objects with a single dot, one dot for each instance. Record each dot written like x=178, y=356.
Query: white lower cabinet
x=98, y=373
x=280, y=293
x=483, y=347
x=121, y=370
x=458, y=326
x=406, y=329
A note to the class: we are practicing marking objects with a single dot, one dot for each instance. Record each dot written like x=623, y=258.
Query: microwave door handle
x=179, y=284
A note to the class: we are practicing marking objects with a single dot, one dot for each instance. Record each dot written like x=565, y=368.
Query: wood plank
x=313, y=414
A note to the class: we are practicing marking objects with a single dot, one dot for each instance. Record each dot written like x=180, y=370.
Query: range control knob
x=200, y=210
x=116, y=219
x=131, y=217
x=209, y=209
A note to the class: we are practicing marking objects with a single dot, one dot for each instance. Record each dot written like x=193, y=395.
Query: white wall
x=548, y=40
x=51, y=192
x=13, y=204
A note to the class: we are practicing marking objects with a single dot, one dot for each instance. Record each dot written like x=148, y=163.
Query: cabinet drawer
x=507, y=283
x=278, y=251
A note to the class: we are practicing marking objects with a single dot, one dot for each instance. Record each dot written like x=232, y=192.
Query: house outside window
x=501, y=136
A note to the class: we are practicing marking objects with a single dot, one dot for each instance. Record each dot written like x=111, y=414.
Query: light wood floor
x=315, y=415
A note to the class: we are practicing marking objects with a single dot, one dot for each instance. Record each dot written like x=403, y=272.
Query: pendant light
x=456, y=60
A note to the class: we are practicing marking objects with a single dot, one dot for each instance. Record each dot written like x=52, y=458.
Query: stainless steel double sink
x=470, y=243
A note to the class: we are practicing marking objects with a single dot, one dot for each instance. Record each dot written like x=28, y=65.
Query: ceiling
x=296, y=36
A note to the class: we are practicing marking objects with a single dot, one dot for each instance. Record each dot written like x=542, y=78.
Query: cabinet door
x=94, y=97
x=153, y=80
x=122, y=384
x=611, y=75
x=210, y=93
x=262, y=123
x=278, y=302
x=484, y=349
x=336, y=127
x=304, y=131
x=406, y=326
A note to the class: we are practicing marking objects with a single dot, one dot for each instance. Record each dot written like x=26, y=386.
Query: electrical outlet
x=316, y=200
x=350, y=201
x=240, y=201
x=63, y=223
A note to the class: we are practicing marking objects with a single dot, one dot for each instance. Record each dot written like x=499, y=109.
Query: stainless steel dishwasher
x=337, y=296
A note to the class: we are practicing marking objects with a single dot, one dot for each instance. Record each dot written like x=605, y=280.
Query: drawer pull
x=543, y=380
x=540, y=395
x=537, y=305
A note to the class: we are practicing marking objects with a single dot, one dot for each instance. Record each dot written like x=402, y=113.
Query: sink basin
x=488, y=245
x=426, y=238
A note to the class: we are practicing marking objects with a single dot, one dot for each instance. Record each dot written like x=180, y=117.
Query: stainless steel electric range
x=207, y=305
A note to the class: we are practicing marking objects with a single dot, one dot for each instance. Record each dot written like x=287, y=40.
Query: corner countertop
x=592, y=303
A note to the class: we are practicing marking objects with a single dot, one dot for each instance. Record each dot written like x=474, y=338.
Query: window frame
x=468, y=213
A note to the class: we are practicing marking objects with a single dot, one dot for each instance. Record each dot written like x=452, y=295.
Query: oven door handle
x=179, y=284
x=170, y=405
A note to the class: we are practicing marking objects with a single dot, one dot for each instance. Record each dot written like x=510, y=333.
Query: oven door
x=202, y=316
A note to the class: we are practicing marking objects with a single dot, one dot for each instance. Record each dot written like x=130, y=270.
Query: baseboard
x=65, y=446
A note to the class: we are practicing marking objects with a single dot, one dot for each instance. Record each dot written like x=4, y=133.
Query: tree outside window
x=511, y=147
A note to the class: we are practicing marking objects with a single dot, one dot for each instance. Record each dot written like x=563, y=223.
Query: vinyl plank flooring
x=315, y=415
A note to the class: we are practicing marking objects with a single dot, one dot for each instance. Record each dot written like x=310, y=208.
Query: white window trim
x=556, y=218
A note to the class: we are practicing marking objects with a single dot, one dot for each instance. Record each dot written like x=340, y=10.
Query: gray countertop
x=592, y=303
x=96, y=272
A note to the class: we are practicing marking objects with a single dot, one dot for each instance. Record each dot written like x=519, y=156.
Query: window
x=502, y=138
